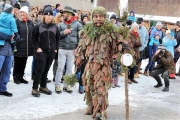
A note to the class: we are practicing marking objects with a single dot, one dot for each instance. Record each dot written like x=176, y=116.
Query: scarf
x=25, y=19
x=135, y=33
x=70, y=21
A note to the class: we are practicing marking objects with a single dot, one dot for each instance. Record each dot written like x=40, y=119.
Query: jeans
x=150, y=65
x=62, y=56
x=44, y=61
x=5, y=68
x=19, y=65
x=155, y=74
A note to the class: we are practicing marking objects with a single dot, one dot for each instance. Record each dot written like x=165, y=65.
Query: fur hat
x=24, y=9
x=7, y=8
x=113, y=16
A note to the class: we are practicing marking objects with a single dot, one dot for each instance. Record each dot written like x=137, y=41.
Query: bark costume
x=97, y=45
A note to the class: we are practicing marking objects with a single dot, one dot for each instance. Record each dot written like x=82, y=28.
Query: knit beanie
x=17, y=6
x=47, y=10
x=83, y=16
x=134, y=25
x=158, y=23
x=113, y=16
x=156, y=34
x=24, y=9
x=7, y=8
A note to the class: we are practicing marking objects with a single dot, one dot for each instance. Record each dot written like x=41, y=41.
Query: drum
x=126, y=59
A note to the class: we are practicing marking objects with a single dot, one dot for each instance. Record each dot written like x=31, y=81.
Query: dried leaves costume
x=97, y=45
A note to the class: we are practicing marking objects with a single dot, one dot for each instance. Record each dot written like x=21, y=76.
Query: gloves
x=161, y=54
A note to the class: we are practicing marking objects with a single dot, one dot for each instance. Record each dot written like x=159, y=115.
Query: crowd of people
x=58, y=35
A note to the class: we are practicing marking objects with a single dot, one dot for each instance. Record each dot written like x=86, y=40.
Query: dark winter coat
x=176, y=36
x=167, y=61
x=115, y=69
x=134, y=44
x=46, y=37
x=24, y=45
x=176, y=56
x=69, y=41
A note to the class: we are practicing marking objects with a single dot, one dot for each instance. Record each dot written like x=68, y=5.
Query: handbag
x=145, y=53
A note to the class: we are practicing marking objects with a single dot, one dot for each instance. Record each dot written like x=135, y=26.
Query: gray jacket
x=69, y=41
x=143, y=33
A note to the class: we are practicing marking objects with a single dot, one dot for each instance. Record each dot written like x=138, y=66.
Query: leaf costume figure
x=99, y=41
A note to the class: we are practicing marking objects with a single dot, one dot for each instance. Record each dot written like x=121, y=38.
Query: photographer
x=165, y=67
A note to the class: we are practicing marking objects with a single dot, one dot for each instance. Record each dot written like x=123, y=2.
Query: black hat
x=139, y=20
x=113, y=16
x=7, y=8
x=83, y=16
x=47, y=10
x=164, y=27
x=57, y=5
x=129, y=22
x=17, y=6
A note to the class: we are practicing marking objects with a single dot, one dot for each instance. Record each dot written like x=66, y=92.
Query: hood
x=4, y=17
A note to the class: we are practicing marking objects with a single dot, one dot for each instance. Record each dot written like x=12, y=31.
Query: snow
x=24, y=106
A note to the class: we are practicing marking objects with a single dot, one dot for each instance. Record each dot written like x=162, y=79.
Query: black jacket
x=24, y=45
x=69, y=41
x=46, y=37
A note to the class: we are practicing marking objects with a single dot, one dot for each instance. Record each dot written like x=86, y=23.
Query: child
x=132, y=16
x=115, y=72
x=152, y=48
x=8, y=28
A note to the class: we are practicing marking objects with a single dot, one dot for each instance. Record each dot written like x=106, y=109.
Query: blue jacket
x=153, y=41
x=169, y=44
x=155, y=30
x=55, y=11
x=143, y=33
x=7, y=24
x=133, y=18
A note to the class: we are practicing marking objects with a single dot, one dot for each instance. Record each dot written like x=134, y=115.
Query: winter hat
x=24, y=9
x=140, y=20
x=134, y=25
x=156, y=34
x=7, y=8
x=83, y=16
x=168, y=31
x=129, y=22
x=57, y=5
x=158, y=23
x=113, y=16
x=161, y=46
x=17, y=6
x=68, y=9
x=47, y=10
x=46, y=6
x=131, y=11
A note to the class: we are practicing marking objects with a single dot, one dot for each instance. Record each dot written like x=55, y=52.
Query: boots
x=129, y=81
x=139, y=68
x=146, y=73
x=166, y=88
x=22, y=80
x=35, y=93
x=16, y=79
x=116, y=83
x=45, y=90
x=113, y=85
x=134, y=81
x=159, y=83
x=81, y=89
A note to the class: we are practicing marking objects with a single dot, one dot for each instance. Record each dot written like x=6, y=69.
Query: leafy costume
x=97, y=45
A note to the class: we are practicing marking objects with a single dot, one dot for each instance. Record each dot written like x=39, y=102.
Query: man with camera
x=165, y=67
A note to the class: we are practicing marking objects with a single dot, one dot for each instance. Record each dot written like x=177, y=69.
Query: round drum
x=126, y=59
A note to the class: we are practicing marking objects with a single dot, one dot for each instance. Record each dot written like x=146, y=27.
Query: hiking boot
x=58, y=89
x=134, y=81
x=35, y=93
x=45, y=91
x=16, y=79
x=165, y=89
x=146, y=73
x=129, y=81
x=48, y=81
x=81, y=89
x=22, y=80
x=158, y=85
x=67, y=89
x=6, y=94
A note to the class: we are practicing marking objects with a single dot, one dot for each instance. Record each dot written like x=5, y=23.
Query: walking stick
x=126, y=94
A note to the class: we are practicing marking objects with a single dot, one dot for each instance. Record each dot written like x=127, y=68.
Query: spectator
x=113, y=20
x=7, y=28
x=163, y=29
x=24, y=3
x=134, y=43
x=152, y=48
x=16, y=10
x=157, y=29
x=129, y=23
x=76, y=14
x=132, y=16
x=45, y=37
x=120, y=22
x=176, y=58
x=169, y=42
x=68, y=42
x=165, y=68
x=57, y=9
x=143, y=33
x=84, y=19
x=24, y=46
x=38, y=19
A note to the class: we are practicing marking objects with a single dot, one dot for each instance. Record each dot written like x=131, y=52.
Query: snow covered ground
x=23, y=106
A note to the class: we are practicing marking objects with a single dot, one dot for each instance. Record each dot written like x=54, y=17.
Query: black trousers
x=138, y=62
x=82, y=72
x=19, y=65
x=43, y=63
x=131, y=73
